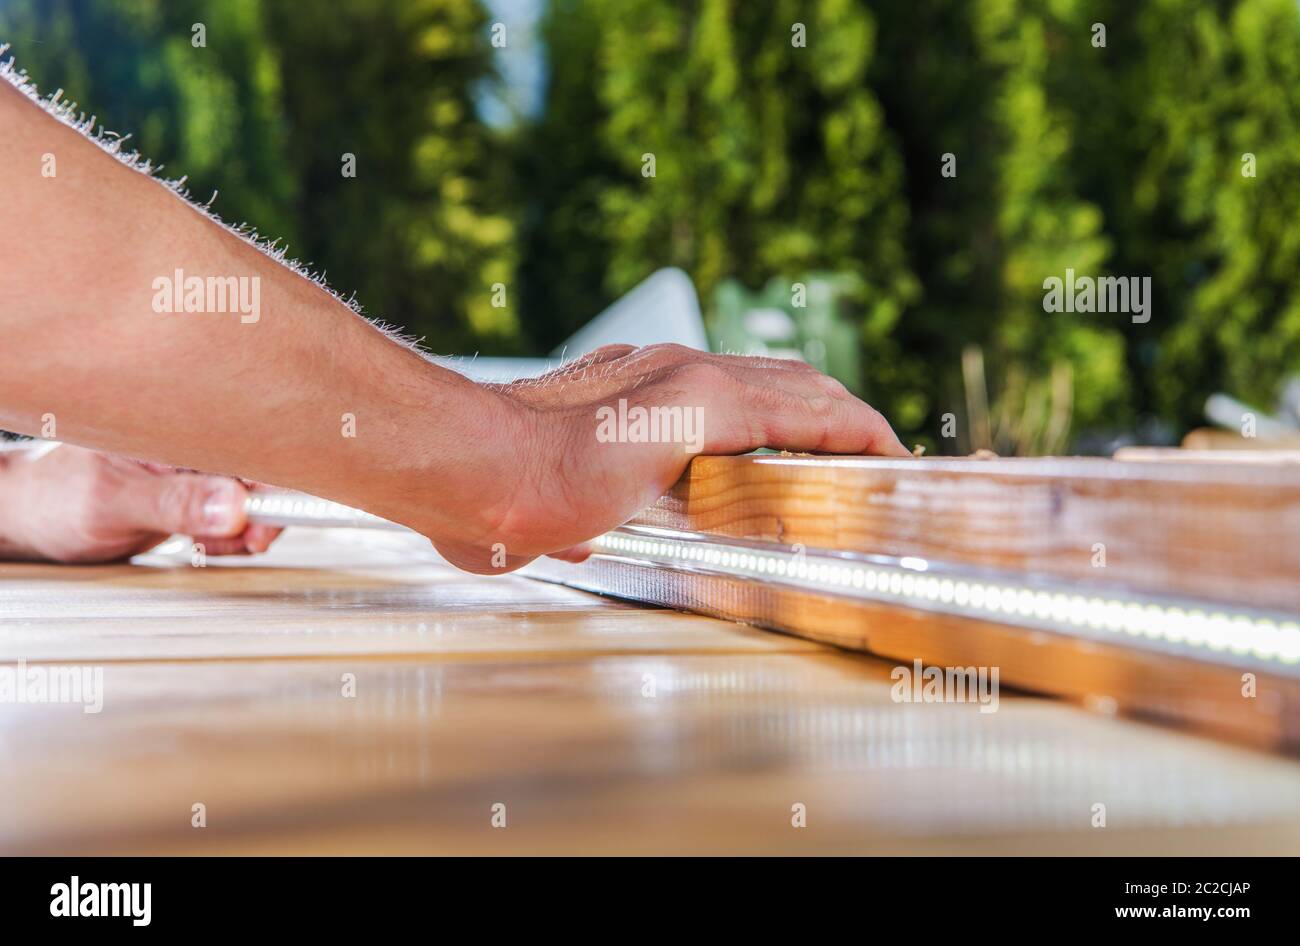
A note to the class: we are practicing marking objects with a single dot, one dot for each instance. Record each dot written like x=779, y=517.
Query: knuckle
x=833, y=385
x=773, y=363
x=580, y=362
x=664, y=354
x=784, y=363
x=702, y=374
x=821, y=406
x=613, y=350
x=177, y=503
x=874, y=415
x=771, y=399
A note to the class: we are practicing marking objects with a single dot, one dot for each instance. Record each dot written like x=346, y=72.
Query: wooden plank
x=1182, y=455
x=684, y=735
x=1207, y=535
x=1208, y=438
x=380, y=594
x=586, y=762
x=1219, y=532
x=1111, y=677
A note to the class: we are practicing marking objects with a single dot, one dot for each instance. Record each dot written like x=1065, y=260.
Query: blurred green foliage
x=265, y=112
x=773, y=163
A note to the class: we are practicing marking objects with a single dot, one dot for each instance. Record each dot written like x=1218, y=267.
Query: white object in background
x=1230, y=413
x=36, y=447
x=770, y=325
x=498, y=370
x=663, y=308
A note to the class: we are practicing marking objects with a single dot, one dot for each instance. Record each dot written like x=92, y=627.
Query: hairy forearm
x=308, y=395
x=296, y=390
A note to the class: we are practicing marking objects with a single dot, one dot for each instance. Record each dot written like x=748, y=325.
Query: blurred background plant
x=776, y=165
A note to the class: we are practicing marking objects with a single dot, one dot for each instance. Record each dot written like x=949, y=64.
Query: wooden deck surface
x=601, y=726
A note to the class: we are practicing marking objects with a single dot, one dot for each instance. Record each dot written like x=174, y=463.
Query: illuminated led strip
x=1215, y=632
x=1208, y=631
x=299, y=509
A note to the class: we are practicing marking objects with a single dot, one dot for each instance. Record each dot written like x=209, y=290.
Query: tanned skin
x=471, y=466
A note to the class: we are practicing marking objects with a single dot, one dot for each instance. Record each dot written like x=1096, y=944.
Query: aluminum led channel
x=1206, y=631
x=1220, y=633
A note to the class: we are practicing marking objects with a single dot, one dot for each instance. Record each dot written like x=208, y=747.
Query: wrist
x=459, y=461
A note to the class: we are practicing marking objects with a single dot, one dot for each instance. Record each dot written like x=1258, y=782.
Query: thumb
x=188, y=503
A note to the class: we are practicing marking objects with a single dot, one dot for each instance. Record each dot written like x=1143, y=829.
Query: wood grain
x=1208, y=438
x=542, y=705
x=337, y=593
x=1205, y=532
x=1196, y=694
x=1221, y=532
x=586, y=763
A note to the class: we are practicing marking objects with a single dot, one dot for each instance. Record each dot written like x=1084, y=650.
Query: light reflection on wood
x=741, y=726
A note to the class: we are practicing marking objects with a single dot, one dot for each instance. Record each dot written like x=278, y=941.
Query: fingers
x=746, y=407
x=255, y=539
x=757, y=401
x=222, y=545
x=208, y=508
x=258, y=538
x=786, y=406
x=188, y=503
x=820, y=423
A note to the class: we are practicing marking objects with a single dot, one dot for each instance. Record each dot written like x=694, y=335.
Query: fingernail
x=220, y=510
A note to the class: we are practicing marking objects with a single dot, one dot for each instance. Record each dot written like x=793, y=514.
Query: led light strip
x=299, y=509
x=1215, y=632
x=1203, y=630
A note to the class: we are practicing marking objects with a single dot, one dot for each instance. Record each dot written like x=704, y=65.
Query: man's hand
x=563, y=480
x=76, y=505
